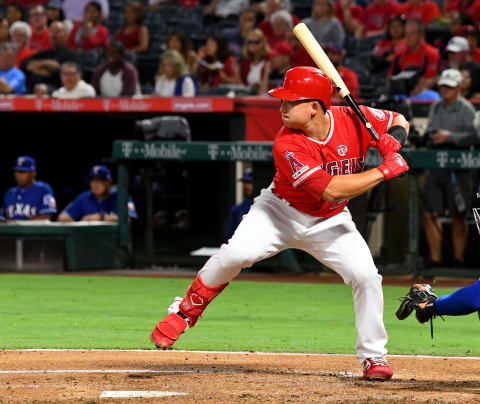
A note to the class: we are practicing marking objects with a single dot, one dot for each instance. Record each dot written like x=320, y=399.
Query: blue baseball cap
x=25, y=164
x=101, y=172
x=247, y=175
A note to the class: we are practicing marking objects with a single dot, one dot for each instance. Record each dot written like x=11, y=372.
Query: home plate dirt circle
x=83, y=376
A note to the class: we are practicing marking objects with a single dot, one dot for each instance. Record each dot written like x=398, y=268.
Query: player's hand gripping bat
x=316, y=52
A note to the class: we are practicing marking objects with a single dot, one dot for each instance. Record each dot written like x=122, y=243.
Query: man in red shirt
x=319, y=155
x=40, y=39
x=335, y=53
x=419, y=56
x=377, y=15
x=424, y=10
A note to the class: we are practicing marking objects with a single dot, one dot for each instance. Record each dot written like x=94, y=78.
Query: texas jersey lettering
x=300, y=159
x=24, y=204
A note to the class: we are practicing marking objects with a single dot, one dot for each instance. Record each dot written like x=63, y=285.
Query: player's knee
x=366, y=278
x=232, y=257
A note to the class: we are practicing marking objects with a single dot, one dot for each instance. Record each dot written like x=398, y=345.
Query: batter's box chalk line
x=139, y=394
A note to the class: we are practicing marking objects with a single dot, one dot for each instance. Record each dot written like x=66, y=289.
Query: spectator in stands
x=12, y=79
x=89, y=34
x=41, y=90
x=466, y=85
x=116, y=77
x=73, y=85
x=300, y=55
x=385, y=49
x=351, y=17
x=241, y=209
x=236, y=36
x=215, y=65
x=323, y=24
x=20, y=32
x=466, y=7
x=4, y=34
x=180, y=42
x=38, y=21
x=275, y=69
x=30, y=199
x=459, y=57
x=218, y=10
x=450, y=126
x=98, y=204
x=14, y=13
x=255, y=54
x=172, y=79
x=44, y=66
x=471, y=34
x=336, y=53
x=271, y=7
x=75, y=9
x=378, y=15
x=55, y=13
x=133, y=34
x=423, y=10
x=282, y=23
x=418, y=56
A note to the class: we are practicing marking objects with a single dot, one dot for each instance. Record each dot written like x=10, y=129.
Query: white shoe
x=175, y=306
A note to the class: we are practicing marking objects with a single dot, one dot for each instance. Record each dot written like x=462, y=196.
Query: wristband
x=399, y=133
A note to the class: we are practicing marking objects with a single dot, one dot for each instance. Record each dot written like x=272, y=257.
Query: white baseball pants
x=272, y=225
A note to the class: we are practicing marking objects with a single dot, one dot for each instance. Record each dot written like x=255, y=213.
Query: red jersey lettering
x=302, y=161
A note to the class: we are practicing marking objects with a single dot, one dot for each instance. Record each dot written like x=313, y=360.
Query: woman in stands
x=89, y=34
x=215, y=65
x=180, y=42
x=134, y=35
x=385, y=49
x=325, y=27
x=173, y=79
x=4, y=35
x=255, y=52
x=55, y=13
x=20, y=33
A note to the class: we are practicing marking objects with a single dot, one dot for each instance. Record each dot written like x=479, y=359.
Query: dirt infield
x=82, y=376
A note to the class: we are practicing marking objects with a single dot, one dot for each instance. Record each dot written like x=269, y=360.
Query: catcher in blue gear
x=427, y=305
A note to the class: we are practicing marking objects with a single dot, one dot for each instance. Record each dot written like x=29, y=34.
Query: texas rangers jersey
x=301, y=161
x=24, y=204
x=87, y=204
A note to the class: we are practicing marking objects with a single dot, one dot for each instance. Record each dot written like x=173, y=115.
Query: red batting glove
x=386, y=144
x=393, y=165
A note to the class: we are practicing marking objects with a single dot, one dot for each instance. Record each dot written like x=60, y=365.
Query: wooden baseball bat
x=316, y=52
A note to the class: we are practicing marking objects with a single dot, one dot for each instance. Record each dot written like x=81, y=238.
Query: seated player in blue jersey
x=98, y=204
x=30, y=199
x=240, y=209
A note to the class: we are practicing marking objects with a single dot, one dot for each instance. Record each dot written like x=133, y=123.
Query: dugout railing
x=125, y=151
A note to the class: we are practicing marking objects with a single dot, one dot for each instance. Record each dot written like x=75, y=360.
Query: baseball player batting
x=319, y=156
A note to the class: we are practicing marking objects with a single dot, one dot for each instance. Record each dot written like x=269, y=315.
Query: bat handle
x=361, y=116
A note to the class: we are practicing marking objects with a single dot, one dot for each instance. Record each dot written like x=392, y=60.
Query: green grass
x=42, y=311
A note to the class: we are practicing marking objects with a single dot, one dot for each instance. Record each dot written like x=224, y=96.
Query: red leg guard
x=197, y=299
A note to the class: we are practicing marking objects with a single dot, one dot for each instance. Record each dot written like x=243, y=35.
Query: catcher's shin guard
x=190, y=308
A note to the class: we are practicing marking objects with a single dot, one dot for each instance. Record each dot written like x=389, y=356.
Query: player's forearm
x=349, y=186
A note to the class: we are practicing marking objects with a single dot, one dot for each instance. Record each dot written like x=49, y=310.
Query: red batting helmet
x=305, y=83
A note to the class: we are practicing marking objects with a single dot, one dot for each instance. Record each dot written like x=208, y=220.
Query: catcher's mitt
x=418, y=294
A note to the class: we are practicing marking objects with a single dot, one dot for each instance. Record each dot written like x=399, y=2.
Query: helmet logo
x=342, y=150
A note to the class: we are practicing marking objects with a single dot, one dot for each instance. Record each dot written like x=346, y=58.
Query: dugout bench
x=39, y=246
x=125, y=151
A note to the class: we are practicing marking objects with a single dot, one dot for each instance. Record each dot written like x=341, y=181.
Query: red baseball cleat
x=377, y=368
x=168, y=330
